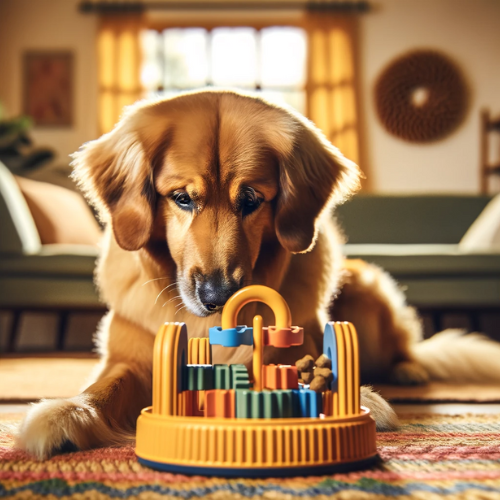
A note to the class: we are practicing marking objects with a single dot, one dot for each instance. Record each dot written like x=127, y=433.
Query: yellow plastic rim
x=254, y=443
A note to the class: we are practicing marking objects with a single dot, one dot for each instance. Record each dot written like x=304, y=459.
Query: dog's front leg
x=106, y=412
x=103, y=415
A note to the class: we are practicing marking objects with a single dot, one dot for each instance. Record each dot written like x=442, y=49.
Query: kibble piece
x=326, y=373
x=318, y=384
x=324, y=362
x=307, y=377
x=306, y=364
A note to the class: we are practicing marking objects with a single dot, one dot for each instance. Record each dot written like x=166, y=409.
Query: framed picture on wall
x=48, y=88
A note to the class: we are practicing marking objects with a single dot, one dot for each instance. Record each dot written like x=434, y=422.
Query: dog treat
x=306, y=364
x=318, y=384
x=306, y=377
x=324, y=362
x=326, y=373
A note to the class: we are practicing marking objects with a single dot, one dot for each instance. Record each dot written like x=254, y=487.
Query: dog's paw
x=62, y=425
x=52, y=425
x=409, y=373
x=380, y=410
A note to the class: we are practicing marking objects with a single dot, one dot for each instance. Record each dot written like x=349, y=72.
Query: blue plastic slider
x=232, y=337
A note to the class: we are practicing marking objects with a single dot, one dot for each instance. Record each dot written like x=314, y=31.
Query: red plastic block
x=280, y=377
x=220, y=403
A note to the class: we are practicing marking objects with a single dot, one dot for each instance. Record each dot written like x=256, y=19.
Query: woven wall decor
x=421, y=96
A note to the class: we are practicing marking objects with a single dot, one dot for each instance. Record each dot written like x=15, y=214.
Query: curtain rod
x=127, y=7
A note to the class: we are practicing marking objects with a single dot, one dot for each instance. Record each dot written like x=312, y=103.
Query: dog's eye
x=183, y=200
x=249, y=201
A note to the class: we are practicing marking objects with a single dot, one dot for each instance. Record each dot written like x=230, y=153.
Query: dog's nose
x=214, y=291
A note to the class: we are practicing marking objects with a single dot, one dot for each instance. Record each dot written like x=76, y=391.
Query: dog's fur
x=157, y=256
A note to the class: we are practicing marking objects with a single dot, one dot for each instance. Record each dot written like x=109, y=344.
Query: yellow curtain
x=331, y=83
x=119, y=59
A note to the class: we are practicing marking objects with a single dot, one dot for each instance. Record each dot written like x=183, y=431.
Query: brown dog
x=203, y=194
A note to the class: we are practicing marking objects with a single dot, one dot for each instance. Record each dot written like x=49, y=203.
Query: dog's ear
x=115, y=172
x=314, y=176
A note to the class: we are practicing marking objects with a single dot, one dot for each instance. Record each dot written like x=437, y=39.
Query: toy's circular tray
x=255, y=447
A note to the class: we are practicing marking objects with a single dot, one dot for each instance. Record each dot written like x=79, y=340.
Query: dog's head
x=215, y=175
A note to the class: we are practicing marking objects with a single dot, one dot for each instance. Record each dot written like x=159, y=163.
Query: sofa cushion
x=484, y=233
x=18, y=233
x=52, y=260
x=426, y=259
x=61, y=215
x=409, y=219
x=437, y=275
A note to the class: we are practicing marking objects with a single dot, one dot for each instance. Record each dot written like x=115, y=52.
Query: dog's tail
x=455, y=357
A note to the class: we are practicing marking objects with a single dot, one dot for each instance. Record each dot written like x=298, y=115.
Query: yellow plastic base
x=255, y=444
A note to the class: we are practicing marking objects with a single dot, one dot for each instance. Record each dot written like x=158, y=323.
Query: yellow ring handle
x=256, y=293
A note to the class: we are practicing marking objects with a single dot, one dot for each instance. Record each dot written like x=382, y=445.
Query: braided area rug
x=430, y=457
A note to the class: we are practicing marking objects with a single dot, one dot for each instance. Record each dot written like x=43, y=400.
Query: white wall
x=468, y=31
x=51, y=25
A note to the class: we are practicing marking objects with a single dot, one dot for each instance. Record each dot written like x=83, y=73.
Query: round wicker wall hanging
x=421, y=96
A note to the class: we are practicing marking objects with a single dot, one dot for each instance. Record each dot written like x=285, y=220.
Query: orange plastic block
x=280, y=377
x=330, y=404
x=283, y=337
x=220, y=403
x=190, y=403
x=201, y=404
x=185, y=405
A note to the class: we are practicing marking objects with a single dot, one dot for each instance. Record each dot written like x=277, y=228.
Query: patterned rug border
x=431, y=456
x=327, y=487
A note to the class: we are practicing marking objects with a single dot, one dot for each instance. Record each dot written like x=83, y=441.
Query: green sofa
x=416, y=239
x=35, y=276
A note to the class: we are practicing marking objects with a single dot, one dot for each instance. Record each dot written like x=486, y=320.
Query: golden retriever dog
x=201, y=195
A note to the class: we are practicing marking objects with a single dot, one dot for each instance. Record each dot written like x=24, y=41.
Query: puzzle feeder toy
x=213, y=420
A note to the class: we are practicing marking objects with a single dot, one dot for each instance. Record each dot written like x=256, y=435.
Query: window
x=270, y=61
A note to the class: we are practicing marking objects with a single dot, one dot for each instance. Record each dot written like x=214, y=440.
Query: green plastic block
x=265, y=404
x=285, y=403
x=248, y=404
x=270, y=405
x=222, y=378
x=198, y=378
x=239, y=377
